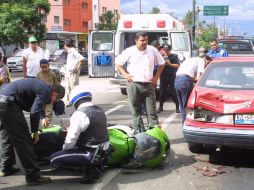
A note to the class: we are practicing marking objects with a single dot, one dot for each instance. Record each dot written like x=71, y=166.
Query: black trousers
x=166, y=82
x=14, y=129
x=7, y=155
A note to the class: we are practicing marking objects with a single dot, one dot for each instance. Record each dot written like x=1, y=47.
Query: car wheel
x=209, y=149
x=123, y=91
x=196, y=148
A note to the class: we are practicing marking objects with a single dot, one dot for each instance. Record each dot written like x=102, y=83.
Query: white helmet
x=79, y=92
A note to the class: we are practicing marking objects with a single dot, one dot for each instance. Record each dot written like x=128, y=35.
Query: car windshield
x=237, y=47
x=58, y=52
x=237, y=75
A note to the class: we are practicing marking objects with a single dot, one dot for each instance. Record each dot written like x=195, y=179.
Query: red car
x=220, y=109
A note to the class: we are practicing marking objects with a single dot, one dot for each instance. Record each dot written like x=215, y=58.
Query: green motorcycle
x=149, y=149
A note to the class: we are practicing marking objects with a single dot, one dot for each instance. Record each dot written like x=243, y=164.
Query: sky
x=240, y=19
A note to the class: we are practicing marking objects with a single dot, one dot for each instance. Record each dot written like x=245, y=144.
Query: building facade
x=73, y=19
x=102, y=6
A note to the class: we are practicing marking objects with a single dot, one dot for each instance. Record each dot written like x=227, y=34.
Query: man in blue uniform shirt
x=216, y=51
x=29, y=95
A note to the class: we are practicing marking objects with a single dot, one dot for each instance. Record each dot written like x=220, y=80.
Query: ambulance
x=105, y=46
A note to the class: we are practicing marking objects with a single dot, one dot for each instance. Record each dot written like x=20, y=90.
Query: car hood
x=14, y=59
x=225, y=101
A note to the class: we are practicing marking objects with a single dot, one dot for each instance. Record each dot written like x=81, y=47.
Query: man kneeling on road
x=30, y=95
x=87, y=142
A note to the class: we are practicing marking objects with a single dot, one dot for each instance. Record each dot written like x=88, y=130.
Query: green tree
x=22, y=18
x=155, y=10
x=205, y=32
x=171, y=13
x=209, y=33
x=108, y=21
x=188, y=19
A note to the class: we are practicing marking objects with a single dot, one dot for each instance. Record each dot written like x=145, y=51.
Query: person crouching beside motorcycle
x=50, y=78
x=87, y=143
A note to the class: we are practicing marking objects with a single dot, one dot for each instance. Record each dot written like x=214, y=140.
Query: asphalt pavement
x=232, y=169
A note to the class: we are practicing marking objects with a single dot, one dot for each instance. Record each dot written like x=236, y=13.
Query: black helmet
x=59, y=107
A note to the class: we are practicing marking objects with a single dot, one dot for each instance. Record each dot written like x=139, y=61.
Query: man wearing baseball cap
x=32, y=57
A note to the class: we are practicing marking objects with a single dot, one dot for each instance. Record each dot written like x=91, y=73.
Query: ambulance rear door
x=101, y=54
x=181, y=44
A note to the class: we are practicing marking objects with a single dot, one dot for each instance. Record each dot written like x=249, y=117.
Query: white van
x=161, y=27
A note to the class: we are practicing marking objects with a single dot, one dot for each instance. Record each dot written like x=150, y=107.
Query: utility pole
x=194, y=20
x=198, y=10
x=139, y=6
x=224, y=27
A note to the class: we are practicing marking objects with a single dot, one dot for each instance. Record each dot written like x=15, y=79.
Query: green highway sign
x=215, y=10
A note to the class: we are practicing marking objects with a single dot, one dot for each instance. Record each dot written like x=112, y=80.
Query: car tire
x=196, y=148
x=123, y=91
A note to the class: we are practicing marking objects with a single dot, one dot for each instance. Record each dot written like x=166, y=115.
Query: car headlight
x=20, y=63
x=203, y=115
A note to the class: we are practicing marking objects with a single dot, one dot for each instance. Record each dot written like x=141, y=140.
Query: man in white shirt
x=72, y=68
x=141, y=59
x=188, y=72
x=32, y=57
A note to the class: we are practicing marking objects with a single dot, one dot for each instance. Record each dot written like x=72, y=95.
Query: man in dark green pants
x=141, y=59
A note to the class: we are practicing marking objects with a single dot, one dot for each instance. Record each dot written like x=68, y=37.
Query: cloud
x=244, y=11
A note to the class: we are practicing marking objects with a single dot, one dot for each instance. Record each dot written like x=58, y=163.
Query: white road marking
x=111, y=174
x=168, y=120
x=114, y=109
x=121, y=101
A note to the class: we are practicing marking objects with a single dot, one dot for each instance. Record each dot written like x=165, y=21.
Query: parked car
x=58, y=57
x=58, y=60
x=221, y=106
x=231, y=37
x=237, y=47
x=15, y=61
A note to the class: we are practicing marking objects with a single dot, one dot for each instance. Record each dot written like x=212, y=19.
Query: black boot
x=160, y=109
x=177, y=108
x=9, y=171
x=91, y=174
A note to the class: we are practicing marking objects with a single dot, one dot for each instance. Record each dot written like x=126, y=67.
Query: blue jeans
x=183, y=86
